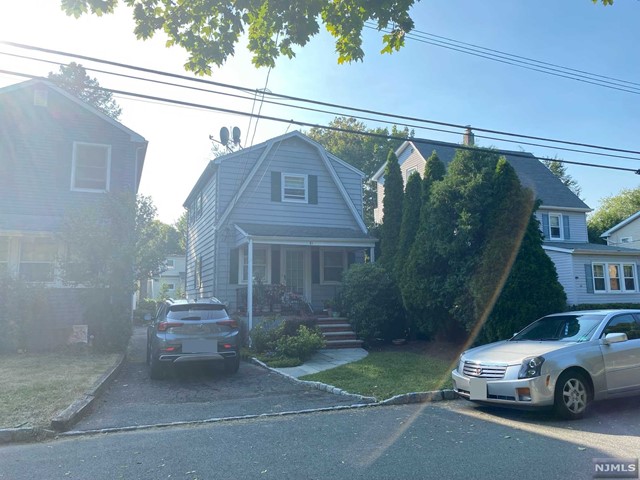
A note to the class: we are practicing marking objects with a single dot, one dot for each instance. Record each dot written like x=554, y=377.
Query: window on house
x=37, y=259
x=625, y=240
x=294, y=187
x=91, y=167
x=410, y=171
x=170, y=263
x=555, y=226
x=260, y=264
x=614, y=277
x=333, y=263
x=170, y=286
x=4, y=255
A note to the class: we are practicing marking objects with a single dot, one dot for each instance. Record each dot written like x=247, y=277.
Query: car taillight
x=164, y=326
x=229, y=323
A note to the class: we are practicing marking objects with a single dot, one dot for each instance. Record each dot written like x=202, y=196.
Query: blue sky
x=421, y=80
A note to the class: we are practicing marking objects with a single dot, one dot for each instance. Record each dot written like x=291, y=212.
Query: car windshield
x=563, y=328
x=197, y=312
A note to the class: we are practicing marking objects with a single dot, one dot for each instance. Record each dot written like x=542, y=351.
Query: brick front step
x=334, y=327
x=343, y=344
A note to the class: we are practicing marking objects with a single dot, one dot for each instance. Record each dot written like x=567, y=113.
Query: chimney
x=468, y=137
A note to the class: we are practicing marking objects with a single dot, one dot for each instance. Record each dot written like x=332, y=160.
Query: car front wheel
x=572, y=395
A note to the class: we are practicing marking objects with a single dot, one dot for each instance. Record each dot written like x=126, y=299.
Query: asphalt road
x=446, y=440
x=192, y=394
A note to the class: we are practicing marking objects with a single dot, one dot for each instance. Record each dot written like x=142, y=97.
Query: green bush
x=291, y=338
x=303, y=345
x=372, y=302
x=108, y=316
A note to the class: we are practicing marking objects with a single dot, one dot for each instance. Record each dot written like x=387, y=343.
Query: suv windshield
x=563, y=328
x=197, y=312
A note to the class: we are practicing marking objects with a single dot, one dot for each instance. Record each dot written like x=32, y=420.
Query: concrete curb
x=406, y=398
x=66, y=418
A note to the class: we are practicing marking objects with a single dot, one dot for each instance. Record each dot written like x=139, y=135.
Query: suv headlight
x=531, y=367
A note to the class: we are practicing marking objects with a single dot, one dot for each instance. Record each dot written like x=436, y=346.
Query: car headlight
x=531, y=367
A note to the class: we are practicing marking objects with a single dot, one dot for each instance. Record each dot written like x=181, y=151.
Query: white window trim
x=560, y=224
x=54, y=262
x=170, y=286
x=73, y=169
x=170, y=263
x=306, y=188
x=626, y=240
x=241, y=258
x=344, y=266
x=410, y=172
x=607, y=279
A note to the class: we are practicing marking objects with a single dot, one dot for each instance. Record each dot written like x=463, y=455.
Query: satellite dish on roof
x=236, y=135
x=224, y=135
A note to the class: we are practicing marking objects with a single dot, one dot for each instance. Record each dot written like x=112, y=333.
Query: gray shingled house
x=281, y=213
x=589, y=273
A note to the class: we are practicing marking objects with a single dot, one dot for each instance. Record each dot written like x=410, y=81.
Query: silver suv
x=192, y=331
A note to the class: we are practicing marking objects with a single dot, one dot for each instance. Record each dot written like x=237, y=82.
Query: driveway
x=198, y=394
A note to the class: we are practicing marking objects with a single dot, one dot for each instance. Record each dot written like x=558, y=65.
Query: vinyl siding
x=296, y=157
x=201, y=239
x=565, y=269
x=630, y=230
x=352, y=183
x=577, y=225
x=579, y=262
x=36, y=149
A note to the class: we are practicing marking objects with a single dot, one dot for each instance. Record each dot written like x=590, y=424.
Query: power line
x=520, y=61
x=332, y=128
x=327, y=104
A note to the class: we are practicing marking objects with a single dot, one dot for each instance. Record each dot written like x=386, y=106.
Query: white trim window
x=170, y=263
x=626, y=239
x=332, y=264
x=37, y=259
x=614, y=277
x=410, y=171
x=555, y=226
x=295, y=188
x=261, y=264
x=91, y=167
x=170, y=286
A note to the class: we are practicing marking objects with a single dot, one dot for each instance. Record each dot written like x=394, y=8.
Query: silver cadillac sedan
x=562, y=361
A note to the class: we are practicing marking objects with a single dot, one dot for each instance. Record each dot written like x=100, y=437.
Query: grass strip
x=385, y=374
x=34, y=387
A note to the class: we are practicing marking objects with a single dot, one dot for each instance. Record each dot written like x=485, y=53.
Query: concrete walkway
x=324, y=360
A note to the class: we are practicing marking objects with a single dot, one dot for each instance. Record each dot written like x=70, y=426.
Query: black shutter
x=315, y=267
x=313, y=189
x=588, y=274
x=275, y=265
x=276, y=187
x=233, y=266
x=565, y=226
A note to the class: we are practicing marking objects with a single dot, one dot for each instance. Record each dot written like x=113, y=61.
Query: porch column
x=372, y=254
x=250, y=283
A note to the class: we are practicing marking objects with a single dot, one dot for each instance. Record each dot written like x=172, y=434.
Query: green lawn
x=385, y=374
x=33, y=388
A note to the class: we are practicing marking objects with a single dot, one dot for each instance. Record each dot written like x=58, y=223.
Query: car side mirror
x=147, y=317
x=615, y=338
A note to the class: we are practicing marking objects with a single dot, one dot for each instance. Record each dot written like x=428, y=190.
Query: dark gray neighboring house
x=589, y=273
x=56, y=152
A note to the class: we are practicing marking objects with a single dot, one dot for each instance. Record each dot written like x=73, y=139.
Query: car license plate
x=199, y=346
x=477, y=389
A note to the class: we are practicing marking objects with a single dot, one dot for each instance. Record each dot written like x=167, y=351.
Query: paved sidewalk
x=324, y=360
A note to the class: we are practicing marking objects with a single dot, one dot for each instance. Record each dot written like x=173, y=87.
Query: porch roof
x=304, y=235
x=589, y=248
